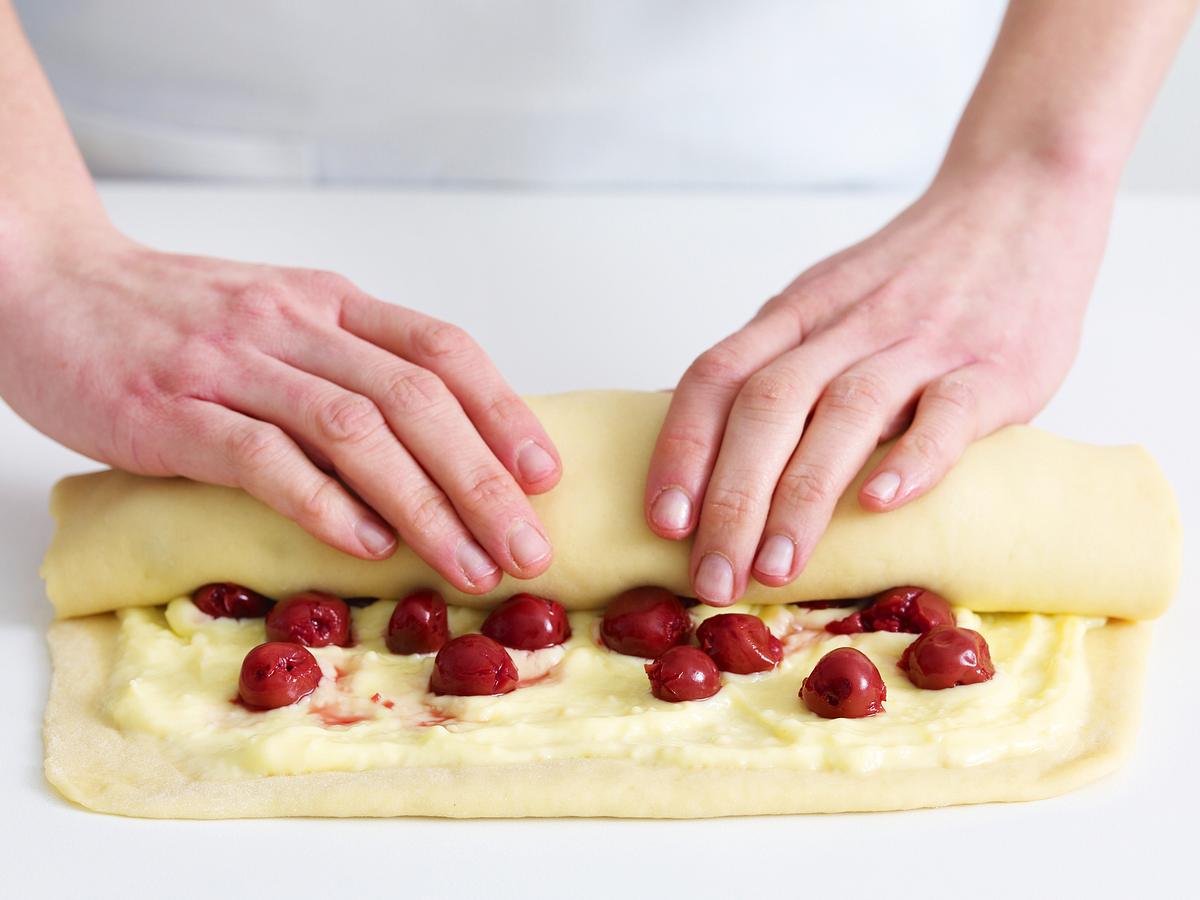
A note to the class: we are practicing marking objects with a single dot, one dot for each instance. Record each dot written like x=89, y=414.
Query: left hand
x=962, y=315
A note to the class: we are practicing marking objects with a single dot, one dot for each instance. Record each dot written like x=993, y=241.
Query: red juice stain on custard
x=330, y=716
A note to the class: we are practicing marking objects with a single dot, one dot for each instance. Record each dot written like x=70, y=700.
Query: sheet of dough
x=95, y=765
x=1026, y=522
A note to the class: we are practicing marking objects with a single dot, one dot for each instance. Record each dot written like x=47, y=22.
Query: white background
x=1166, y=158
x=621, y=291
x=241, y=71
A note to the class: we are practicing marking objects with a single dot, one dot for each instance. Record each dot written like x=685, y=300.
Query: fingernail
x=671, y=510
x=376, y=539
x=776, y=556
x=527, y=545
x=714, y=579
x=474, y=561
x=534, y=463
x=883, y=486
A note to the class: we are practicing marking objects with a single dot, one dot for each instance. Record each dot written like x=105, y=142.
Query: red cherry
x=418, y=624
x=683, y=673
x=645, y=621
x=947, y=657
x=473, y=665
x=314, y=619
x=913, y=610
x=277, y=674
x=526, y=622
x=739, y=643
x=230, y=601
x=844, y=684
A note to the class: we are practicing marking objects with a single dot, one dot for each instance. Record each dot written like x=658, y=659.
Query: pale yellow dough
x=131, y=771
x=1026, y=522
x=140, y=722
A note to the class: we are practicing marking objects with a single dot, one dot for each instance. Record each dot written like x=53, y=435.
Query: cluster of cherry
x=646, y=622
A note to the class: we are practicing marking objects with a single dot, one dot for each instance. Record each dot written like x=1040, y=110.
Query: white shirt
x=558, y=92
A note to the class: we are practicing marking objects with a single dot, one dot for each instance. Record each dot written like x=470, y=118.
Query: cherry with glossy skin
x=418, y=624
x=683, y=673
x=645, y=621
x=527, y=622
x=739, y=643
x=226, y=600
x=844, y=684
x=913, y=610
x=947, y=657
x=277, y=674
x=471, y=666
x=314, y=619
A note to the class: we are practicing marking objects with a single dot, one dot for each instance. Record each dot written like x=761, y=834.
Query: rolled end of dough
x=1025, y=522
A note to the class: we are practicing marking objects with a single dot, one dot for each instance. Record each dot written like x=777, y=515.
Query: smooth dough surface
x=93, y=763
x=1026, y=522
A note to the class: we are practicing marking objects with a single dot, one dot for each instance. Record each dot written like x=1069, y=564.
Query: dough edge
x=95, y=765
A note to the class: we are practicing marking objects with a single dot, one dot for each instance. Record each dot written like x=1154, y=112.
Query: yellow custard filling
x=176, y=675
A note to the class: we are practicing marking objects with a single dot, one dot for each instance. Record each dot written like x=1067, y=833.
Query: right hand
x=356, y=418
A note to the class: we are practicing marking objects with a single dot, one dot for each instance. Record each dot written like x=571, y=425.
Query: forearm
x=1068, y=85
x=44, y=184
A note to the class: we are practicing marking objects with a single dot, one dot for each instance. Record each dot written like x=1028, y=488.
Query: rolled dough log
x=1026, y=522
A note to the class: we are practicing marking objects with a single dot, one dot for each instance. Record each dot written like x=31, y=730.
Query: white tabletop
x=593, y=290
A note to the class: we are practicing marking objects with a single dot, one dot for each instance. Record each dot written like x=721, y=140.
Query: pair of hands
x=960, y=316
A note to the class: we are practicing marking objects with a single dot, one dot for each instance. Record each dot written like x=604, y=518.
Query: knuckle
x=200, y=362
x=347, y=418
x=314, y=504
x=687, y=443
x=257, y=448
x=806, y=484
x=487, y=487
x=414, y=391
x=324, y=282
x=260, y=301
x=719, y=366
x=730, y=504
x=443, y=340
x=771, y=391
x=858, y=394
x=505, y=408
x=954, y=392
x=923, y=443
x=427, y=513
x=790, y=310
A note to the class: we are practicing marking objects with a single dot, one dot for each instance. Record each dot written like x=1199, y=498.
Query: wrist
x=33, y=253
x=1061, y=160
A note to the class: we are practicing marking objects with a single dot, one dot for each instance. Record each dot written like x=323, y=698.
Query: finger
x=764, y=427
x=351, y=432
x=506, y=424
x=690, y=438
x=427, y=419
x=849, y=417
x=219, y=446
x=953, y=410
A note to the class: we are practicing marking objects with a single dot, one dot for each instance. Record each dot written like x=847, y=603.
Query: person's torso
x=760, y=92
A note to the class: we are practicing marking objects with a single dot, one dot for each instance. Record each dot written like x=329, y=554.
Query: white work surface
x=572, y=291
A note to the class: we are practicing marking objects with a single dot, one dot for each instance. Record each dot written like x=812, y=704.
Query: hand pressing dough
x=1025, y=522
